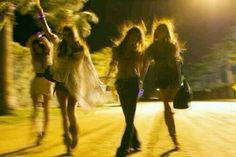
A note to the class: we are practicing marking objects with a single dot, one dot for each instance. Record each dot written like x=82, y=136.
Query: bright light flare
x=215, y=4
x=212, y=8
x=212, y=1
x=210, y=4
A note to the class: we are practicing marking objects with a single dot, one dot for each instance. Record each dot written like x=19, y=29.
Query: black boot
x=121, y=152
x=67, y=142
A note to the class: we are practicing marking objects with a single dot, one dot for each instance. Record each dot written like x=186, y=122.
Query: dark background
x=200, y=23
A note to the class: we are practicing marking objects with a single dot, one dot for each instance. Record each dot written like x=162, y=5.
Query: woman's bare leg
x=167, y=95
x=35, y=99
x=62, y=97
x=46, y=113
x=35, y=110
x=71, y=109
x=169, y=120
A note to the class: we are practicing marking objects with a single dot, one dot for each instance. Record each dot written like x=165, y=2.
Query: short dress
x=167, y=69
x=40, y=85
x=78, y=76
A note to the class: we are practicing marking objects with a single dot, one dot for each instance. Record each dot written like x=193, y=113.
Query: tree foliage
x=6, y=91
x=22, y=73
x=60, y=13
x=211, y=71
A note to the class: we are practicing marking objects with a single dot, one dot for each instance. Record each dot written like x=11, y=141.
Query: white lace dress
x=79, y=78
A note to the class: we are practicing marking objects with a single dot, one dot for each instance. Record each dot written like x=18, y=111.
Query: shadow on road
x=64, y=155
x=18, y=151
x=168, y=152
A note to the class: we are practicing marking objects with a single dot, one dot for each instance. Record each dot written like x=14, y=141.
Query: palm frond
x=89, y=16
x=24, y=6
x=68, y=17
x=62, y=12
x=83, y=20
x=84, y=27
x=53, y=5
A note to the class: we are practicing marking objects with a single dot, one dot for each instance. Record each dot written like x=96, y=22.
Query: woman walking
x=127, y=57
x=165, y=52
x=41, y=88
x=75, y=76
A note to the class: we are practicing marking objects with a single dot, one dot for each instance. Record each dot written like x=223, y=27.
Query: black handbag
x=184, y=96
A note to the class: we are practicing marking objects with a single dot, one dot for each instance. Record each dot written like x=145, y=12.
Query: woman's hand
x=39, y=9
x=40, y=15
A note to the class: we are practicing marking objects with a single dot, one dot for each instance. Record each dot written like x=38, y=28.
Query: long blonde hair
x=76, y=39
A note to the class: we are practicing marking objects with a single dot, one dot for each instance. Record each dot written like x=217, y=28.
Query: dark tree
x=6, y=93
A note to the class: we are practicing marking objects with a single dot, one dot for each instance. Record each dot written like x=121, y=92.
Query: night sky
x=198, y=22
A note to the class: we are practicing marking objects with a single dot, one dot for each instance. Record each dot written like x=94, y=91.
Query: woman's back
x=166, y=64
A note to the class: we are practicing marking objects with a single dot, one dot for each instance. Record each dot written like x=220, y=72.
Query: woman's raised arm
x=47, y=30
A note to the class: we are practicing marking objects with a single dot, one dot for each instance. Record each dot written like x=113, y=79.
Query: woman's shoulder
x=171, y=44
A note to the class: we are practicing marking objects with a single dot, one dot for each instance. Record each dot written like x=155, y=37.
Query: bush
x=22, y=73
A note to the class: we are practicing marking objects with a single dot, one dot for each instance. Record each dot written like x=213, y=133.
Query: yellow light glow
x=212, y=3
x=211, y=7
x=234, y=86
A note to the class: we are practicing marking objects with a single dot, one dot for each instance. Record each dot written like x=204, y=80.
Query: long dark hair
x=77, y=42
x=62, y=48
x=171, y=37
x=38, y=42
x=124, y=45
x=162, y=28
x=41, y=57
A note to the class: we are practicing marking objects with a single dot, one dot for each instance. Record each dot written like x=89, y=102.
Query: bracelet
x=40, y=16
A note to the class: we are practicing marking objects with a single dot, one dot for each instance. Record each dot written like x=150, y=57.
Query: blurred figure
x=41, y=88
x=127, y=56
x=75, y=76
x=165, y=52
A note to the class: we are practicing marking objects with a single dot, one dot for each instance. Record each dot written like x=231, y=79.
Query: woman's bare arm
x=146, y=60
x=112, y=65
x=47, y=30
